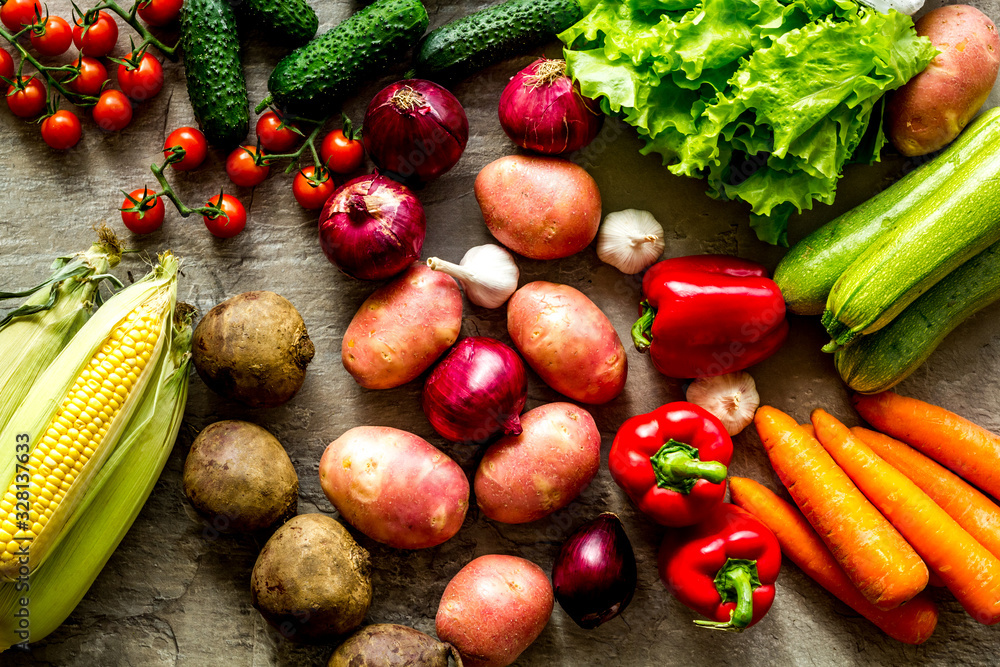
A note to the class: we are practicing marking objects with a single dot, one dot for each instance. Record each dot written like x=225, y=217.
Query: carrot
x=976, y=513
x=970, y=572
x=874, y=556
x=954, y=442
x=911, y=623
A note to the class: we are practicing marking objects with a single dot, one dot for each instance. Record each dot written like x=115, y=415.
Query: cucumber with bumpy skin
x=314, y=78
x=215, y=82
x=811, y=268
x=880, y=361
x=488, y=36
x=284, y=22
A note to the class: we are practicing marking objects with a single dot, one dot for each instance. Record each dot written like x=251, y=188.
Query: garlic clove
x=630, y=240
x=488, y=274
x=731, y=397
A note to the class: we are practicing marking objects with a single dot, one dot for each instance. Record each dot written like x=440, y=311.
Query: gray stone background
x=176, y=594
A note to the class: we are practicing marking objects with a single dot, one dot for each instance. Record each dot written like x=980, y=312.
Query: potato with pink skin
x=526, y=477
x=568, y=341
x=394, y=486
x=539, y=207
x=935, y=106
x=493, y=609
x=402, y=328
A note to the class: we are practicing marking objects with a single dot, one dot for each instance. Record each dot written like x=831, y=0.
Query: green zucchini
x=283, y=22
x=314, y=78
x=215, y=83
x=956, y=222
x=496, y=33
x=880, y=361
x=810, y=269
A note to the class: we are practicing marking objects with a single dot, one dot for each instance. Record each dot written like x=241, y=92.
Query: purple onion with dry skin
x=595, y=573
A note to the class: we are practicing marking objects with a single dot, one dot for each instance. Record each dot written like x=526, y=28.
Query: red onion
x=594, y=575
x=415, y=130
x=541, y=111
x=477, y=391
x=372, y=227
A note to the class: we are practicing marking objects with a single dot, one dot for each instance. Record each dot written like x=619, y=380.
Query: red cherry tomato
x=113, y=111
x=142, y=82
x=147, y=220
x=228, y=225
x=310, y=192
x=28, y=101
x=92, y=76
x=192, y=141
x=53, y=38
x=99, y=39
x=242, y=167
x=61, y=130
x=6, y=65
x=340, y=154
x=160, y=12
x=15, y=14
x=273, y=136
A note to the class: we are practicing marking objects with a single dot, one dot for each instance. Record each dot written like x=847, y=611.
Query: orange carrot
x=967, y=505
x=911, y=623
x=954, y=442
x=874, y=556
x=969, y=571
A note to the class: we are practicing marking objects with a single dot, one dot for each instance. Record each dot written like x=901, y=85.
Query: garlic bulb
x=731, y=397
x=630, y=240
x=488, y=274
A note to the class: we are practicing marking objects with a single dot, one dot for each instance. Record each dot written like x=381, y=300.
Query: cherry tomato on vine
x=54, y=38
x=340, y=154
x=310, y=191
x=142, y=82
x=231, y=224
x=273, y=136
x=160, y=12
x=61, y=130
x=192, y=141
x=99, y=39
x=92, y=77
x=149, y=219
x=113, y=111
x=29, y=100
x=242, y=167
x=6, y=65
x=15, y=14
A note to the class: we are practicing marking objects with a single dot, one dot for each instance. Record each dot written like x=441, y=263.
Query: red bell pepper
x=708, y=315
x=723, y=568
x=672, y=462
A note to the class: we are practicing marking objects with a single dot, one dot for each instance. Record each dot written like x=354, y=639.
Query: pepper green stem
x=642, y=334
x=735, y=581
x=677, y=466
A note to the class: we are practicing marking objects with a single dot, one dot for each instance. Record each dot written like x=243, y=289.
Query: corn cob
x=114, y=499
x=33, y=334
x=73, y=417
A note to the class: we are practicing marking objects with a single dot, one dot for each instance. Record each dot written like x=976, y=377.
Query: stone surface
x=177, y=593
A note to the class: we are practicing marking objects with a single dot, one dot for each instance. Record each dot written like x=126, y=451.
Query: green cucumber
x=316, y=77
x=810, y=269
x=496, y=33
x=949, y=226
x=283, y=22
x=880, y=361
x=215, y=83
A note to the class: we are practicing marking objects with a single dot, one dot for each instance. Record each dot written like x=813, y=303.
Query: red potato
x=526, y=477
x=935, y=106
x=493, y=609
x=402, y=328
x=568, y=341
x=540, y=207
x=394, y=486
